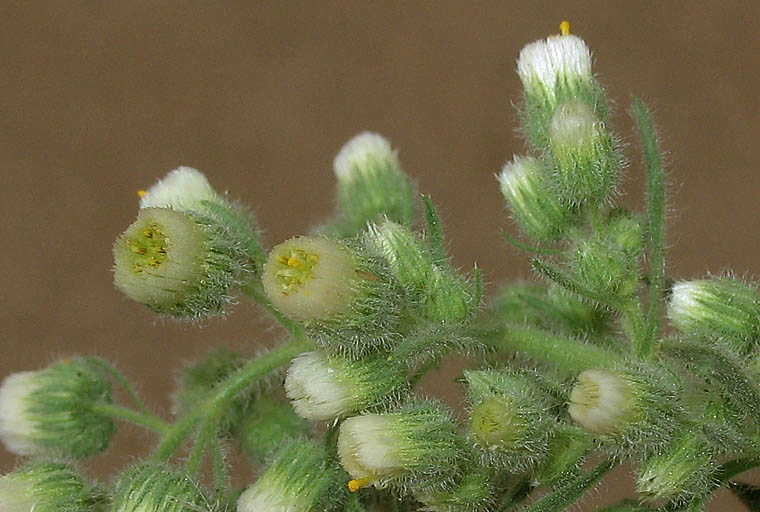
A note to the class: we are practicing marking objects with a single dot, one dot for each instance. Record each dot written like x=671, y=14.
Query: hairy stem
x=227, y=390
x=656, y=215
x=148, y=421
x=569, y=355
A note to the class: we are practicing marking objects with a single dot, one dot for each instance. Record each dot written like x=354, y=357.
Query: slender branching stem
x=148, y=421
x=655, y=214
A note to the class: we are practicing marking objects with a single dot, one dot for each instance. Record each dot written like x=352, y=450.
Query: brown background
x=98, y=99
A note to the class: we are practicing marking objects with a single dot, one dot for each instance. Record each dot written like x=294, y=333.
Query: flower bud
x=50, y=411
x=184, y=188
x=46, y=487
x=472, y=492
x=410, y=263
x=600, y=401
x=415, y=448
x=686, y=470
x=156, y=488
x=554, y=68
x=371, y=184
x=324, y=387
x=605, y=270
x=550, y=308
x=300, y=478
x=553, y=71
x=717, y=308
x=511, y=421
x=448, y=297
x=586, y=166
x=269, y=423
x=178, y=264
x=347, y=299
x=188, y=190
x=534, y=207
x=636, y=409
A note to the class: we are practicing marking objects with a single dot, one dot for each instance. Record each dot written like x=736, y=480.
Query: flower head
x=50, y=411
x=182, y=189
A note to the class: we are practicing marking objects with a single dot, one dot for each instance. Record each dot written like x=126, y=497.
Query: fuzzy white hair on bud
x=598, y=402
x=314, y=386
x=357, y=152
x=179, y=190
x=547, y=60
x=16, y=428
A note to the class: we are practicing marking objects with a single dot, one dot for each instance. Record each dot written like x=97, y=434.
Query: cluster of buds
x=188, y=249
x=564, y=116
x=53, y=411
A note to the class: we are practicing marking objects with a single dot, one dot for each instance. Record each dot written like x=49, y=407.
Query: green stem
x=124, y=382
x=256, y=294
x=227, y=390
x=565, y=495
x=206, y=434
x=569, y=355
x=220, y=469
x=656, y=214
x=123, y=413
x=635, y=327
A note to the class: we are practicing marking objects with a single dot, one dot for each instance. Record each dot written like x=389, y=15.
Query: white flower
x=16, y=427
x=543, y=63
x=599, y=402
x=360, y=151
x=180, y=189
x=369, y=449
x=319, y=389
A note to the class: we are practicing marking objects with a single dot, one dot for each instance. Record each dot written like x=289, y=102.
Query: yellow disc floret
x=310, y=278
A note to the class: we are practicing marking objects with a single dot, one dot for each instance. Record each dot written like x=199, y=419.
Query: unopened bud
x=637, y=410
x=156, y=488
x=511, y=421
x=406, y=257
x=684, y=471
x=586, y=164
x=46, y=487
x=300, y=478
x=415, y=447
x=371, y=184
x=720, y=309
x=269, y=422
x=472, y=492
x=553, y=68
x=534, y=207
x=50, y=411
x=324, y=387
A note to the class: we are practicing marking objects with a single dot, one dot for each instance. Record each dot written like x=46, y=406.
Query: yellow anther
x=66, y=360
x=141, y=193
x=294, y=262
x=564, y=28
x=355, y=485
x=140, y=250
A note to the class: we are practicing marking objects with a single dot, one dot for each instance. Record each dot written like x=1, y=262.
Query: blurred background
x=99, y=99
